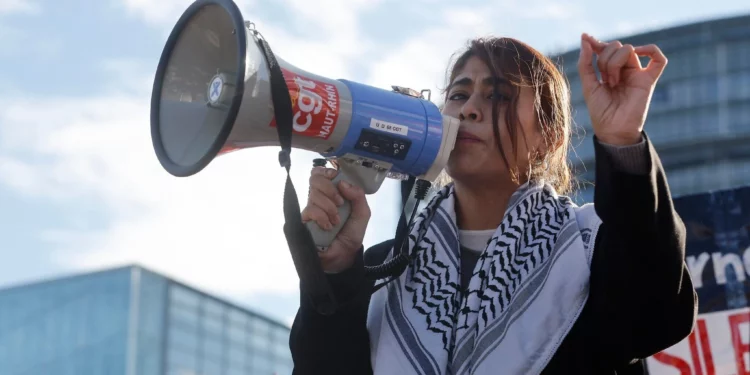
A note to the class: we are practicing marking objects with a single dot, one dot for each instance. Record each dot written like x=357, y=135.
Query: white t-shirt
x=473, y=243
x=475, y=240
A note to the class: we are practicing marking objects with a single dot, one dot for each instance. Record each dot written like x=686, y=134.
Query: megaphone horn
x=212, y=95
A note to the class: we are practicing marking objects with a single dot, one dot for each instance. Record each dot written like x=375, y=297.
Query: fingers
x=340, y=254
x=596, y=44
x=356, y=196
x=323, y=200
x=349, y=239
x=320, y=179
x=586, y=70
x=323, y=210
x=603, y=59
x=658, y=61
x=623, y=58
x=613, y=58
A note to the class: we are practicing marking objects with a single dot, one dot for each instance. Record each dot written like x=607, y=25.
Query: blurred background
x=112, y=266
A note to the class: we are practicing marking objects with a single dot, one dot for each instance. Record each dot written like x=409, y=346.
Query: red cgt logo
x=315, y=105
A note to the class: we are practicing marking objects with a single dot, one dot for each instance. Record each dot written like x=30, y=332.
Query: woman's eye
x=498, y=95
x=461, y=96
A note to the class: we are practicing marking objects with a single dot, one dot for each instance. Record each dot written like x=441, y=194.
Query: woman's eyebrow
x=489, y=81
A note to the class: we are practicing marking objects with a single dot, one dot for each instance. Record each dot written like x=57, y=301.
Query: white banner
x=719, y=345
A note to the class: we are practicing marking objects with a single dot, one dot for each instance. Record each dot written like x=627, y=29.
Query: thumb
x=356, y=196
x=586, y=71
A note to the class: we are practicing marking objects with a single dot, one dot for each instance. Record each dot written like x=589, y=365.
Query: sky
x=81, y=188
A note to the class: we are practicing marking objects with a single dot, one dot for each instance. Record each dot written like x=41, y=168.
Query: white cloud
x=17, y=42
x=551, y=11
x=23, y=177
x=332, y=35
x=330, y=16
x=421, y=62
x=163, y=12
x=19, y=6
x=132, y=74
x=325, y=29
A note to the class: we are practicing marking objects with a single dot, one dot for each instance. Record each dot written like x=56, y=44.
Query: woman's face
x=476, y=156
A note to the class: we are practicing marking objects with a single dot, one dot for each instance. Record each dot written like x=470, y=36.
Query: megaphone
x=212, y=95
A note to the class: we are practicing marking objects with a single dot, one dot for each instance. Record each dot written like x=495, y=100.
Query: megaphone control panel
x=384, y=145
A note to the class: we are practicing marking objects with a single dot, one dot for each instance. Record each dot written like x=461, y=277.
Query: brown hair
x=523, y=65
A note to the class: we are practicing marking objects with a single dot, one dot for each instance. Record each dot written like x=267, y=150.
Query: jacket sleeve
x=339, y=343
x=643, y=297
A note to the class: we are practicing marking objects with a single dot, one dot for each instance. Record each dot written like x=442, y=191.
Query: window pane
x=280, y=334
x=258, y=342
x=212, y=326
x=181, y=361
x=213, y=308
x=213, y=348
x=237, y=356
x=211, y=367
x=183, y=296
x=184, y=338
x=236, y=371
x=282, y=350
x=260, y=327
x=236, y=334
x=238, y=318
x=185, y=316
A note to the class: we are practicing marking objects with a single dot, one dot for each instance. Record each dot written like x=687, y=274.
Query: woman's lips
x=465, y=137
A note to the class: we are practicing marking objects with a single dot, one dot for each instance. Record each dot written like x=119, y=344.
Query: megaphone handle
x=323, y=238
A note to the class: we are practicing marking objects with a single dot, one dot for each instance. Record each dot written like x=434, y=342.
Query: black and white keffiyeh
x=526, y=290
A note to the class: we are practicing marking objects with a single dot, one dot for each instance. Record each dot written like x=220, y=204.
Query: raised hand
x=618, y=104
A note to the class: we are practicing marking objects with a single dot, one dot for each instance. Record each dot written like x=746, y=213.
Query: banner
x=718, y=256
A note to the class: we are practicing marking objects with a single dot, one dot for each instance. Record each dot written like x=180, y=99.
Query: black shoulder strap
x=301, y=244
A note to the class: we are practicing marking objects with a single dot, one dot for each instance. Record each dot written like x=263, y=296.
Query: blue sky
x=81, y=189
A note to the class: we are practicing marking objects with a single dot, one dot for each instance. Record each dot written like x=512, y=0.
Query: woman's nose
x=470, y=111
x=472, y=116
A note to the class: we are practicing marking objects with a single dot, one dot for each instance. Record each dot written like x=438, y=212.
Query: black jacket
x=641, y=297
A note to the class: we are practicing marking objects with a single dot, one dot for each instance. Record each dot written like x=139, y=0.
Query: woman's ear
x=540, y=145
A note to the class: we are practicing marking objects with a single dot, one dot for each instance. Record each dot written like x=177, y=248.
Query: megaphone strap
x=300, y=241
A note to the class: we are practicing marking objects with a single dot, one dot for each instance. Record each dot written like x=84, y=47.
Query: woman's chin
x=460, y=167
x=467, y=167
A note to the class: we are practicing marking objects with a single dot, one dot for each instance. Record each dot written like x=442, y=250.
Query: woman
x=508, y=275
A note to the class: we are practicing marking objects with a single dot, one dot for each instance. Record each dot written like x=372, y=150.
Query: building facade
x=699, y=119
x=130, y=321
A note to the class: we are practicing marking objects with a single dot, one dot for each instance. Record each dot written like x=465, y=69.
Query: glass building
x=699, y=120
x=131, y=321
